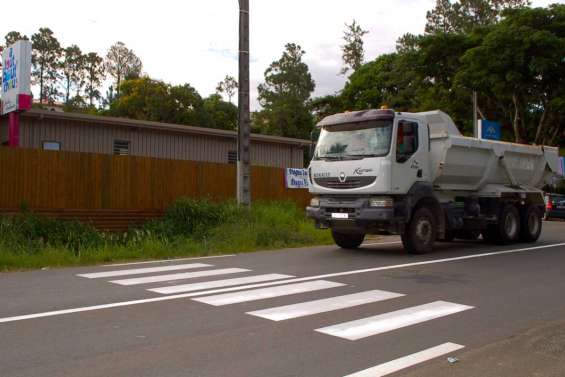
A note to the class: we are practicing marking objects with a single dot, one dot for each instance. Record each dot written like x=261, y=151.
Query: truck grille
x=350, y=182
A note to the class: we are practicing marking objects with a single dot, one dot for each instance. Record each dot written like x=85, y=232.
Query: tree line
x=506, y=51
x=512, y=55
x=67, y=75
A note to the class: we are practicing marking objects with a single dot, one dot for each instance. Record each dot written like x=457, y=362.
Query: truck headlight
x=315, y=202
x=383, y=202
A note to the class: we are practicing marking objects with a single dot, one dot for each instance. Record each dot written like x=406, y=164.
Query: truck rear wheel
x=348, y=241
x=531, y=224
x=507, y=230
x=420, y=234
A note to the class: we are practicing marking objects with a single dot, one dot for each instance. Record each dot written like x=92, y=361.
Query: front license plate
x=340, y=215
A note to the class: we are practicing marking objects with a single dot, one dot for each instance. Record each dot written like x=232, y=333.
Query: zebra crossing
x=221, y=291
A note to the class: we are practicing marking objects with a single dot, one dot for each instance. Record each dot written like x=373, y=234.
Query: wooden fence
x=113, y=192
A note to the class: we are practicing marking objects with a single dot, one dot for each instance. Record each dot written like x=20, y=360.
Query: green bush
x=28, y=233
x=191, y=217
x=188, y=228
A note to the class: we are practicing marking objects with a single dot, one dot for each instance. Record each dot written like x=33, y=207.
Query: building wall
x=77, y=136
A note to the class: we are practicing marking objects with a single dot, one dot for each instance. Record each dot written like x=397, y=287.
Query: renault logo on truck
x=342, y=177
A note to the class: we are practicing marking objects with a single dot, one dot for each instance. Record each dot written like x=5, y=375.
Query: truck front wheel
x=347, y=241
x=420, y=234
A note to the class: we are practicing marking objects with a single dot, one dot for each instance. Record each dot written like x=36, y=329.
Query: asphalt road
x=316, y=311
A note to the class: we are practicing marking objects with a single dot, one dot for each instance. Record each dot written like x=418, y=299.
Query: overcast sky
x=196, y=41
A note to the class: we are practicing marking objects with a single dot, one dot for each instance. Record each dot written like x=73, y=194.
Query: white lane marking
x=376, y=269
x=303, y=309
x=139, y=271
x=264, y=293
x=166, y=260
x=382, y=323
x=408, y=361
x=381, y=243
x=179, y=276
x=218, y=283
x=83, y=309
x=193, y=294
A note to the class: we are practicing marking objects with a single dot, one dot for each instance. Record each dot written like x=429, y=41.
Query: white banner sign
x=296, y=178
x=16, y=74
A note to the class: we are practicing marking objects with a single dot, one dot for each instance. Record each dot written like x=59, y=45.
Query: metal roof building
x=50, y=130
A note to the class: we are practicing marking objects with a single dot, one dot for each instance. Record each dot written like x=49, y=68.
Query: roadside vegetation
x=189, y=228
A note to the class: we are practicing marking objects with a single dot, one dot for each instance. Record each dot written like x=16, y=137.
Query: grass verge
x=189, y=228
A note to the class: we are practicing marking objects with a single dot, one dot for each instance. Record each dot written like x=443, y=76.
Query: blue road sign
x=491, y=130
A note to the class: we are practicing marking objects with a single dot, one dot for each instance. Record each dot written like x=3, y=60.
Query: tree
x=46, y=63
x=352, y=51
x=464, y=15
x=418, y=77
x=122, y=63
x=443, y=18
x=221, y=114
x=228, y=86
x=520, y=61
x=326, y=105
x=94, y=74
x=14, y=36
x=285, y=93
x=147, y=99
x=73, y=70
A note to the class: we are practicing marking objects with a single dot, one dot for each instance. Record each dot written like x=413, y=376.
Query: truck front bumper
x=360, y=214
x=353, y=214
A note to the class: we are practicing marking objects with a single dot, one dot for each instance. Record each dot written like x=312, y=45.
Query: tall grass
x=189, y=228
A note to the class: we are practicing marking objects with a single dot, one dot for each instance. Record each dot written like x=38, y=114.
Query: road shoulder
x=539, y=351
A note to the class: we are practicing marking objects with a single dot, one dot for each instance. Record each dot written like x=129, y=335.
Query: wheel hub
x=424, y=230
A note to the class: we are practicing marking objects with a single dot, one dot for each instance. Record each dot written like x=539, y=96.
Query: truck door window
x=406, y=140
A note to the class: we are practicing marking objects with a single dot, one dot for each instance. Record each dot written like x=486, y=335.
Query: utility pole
x=243, y=129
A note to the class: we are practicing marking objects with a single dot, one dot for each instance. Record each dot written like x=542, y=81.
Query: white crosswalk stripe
x=218, y=283
x=226, y=291
x=148, y=270
x=324, y=305
x=408, y=361
x=179, y=276
x=382, y=323
x=264, y=293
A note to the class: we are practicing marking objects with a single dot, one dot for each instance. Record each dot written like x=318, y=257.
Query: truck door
x=410, y=162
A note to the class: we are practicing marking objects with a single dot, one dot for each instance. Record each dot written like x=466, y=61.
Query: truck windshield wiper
x=359, y=156
x=331, y=158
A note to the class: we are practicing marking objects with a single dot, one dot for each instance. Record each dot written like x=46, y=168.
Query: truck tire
x=507, y=230
x=420, y=234
x=531, y=223
x=348, y=241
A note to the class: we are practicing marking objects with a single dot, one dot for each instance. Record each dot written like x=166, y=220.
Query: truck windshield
x=354, y=141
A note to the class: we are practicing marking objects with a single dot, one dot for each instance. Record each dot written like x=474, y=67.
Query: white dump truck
x=414, y=174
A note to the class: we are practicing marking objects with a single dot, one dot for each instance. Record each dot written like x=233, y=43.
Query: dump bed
x=469, y=164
